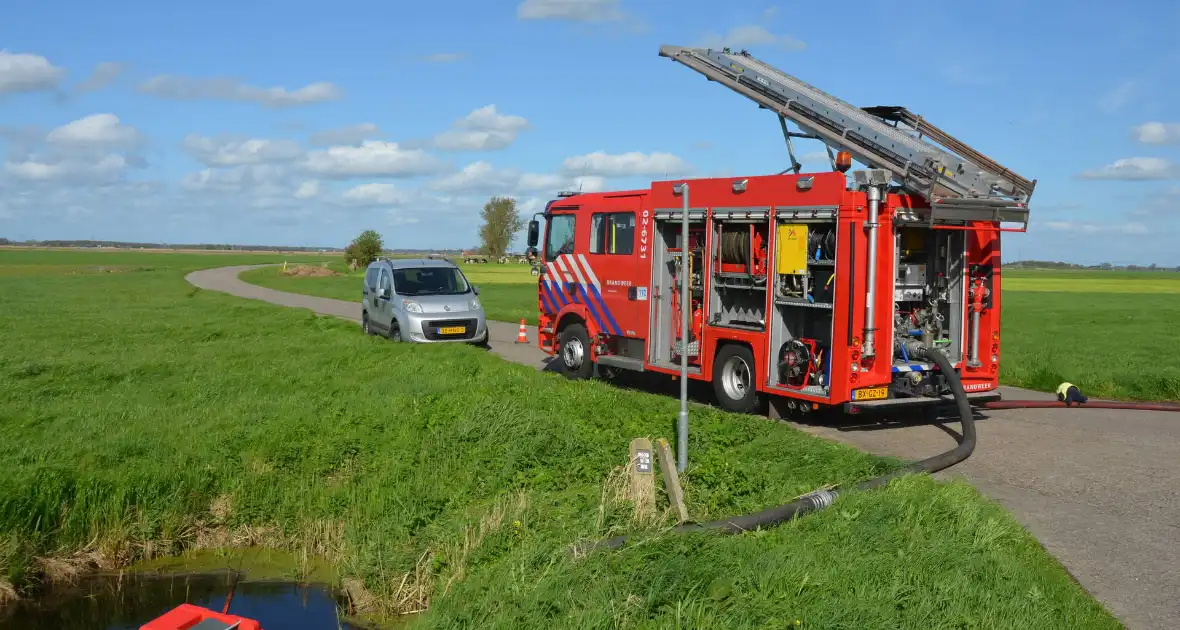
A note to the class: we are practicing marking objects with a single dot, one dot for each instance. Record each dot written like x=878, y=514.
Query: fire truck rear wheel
x=574, y=352
x=734, y=379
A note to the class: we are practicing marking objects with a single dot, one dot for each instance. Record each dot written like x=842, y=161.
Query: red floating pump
x=190, y=617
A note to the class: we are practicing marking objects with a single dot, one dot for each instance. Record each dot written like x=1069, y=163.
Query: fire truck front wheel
x=733, y=379
x=574, y=352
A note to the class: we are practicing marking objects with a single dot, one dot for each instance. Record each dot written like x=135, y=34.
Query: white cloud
x=552, y=184
x=1094, y=228
x=103, y=75
x=377, y=195
x=751, y=35
x=444, y=57
x=353, y=134
x=1158, y=133
x=24, y=72
x=484, y=129
x=107, y=169
x=1136, y=169
x=477, y=177
x=225, y=151
x=265, y=179
x=482, y=177
x=1116, y=98
x=573, y=10
x=603, y=164
x=309, y=189
x=373, y=158
x=96, y=130
x=229, y=89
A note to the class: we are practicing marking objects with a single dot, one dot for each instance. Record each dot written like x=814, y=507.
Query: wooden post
x=671, y=480
x=643, y=480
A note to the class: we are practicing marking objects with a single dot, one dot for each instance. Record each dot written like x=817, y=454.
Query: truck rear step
x=623, y=363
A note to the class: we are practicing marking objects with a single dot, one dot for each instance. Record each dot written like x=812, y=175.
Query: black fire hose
x=820, y=499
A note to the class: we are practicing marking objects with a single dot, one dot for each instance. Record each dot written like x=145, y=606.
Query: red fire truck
x=812, y=289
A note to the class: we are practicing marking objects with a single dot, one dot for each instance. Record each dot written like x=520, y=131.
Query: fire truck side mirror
x=534, y=232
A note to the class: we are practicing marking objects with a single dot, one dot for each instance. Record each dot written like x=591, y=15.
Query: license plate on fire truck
x=452, y=330
x=871, y=393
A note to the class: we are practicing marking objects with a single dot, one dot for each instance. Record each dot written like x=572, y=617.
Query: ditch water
x=127, y=602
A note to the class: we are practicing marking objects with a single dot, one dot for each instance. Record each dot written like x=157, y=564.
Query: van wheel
x=395, y=332
x=734, y=379
x=365, y=328
x=574, y=352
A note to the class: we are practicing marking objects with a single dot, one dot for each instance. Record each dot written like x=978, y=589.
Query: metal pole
x=685, y=301
x=874, y=195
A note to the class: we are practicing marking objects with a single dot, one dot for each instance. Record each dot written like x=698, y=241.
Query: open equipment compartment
x=803, y=298
x=666, y=341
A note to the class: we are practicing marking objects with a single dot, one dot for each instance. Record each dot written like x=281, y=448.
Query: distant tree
x=501, y=222
x=364, y=249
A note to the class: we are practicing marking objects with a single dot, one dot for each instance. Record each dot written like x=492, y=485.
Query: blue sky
x=303, y=123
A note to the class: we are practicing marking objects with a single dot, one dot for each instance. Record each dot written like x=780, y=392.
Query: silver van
x=421, y=300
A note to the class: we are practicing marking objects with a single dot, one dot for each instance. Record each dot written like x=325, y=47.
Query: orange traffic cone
x=523, y=335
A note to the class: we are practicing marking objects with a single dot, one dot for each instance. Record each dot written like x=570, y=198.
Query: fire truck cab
x=811, y=289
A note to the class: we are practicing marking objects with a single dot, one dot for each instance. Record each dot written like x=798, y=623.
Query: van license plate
x=871, y=393
x=452, y=330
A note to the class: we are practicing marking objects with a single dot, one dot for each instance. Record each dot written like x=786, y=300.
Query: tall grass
x=142, y=417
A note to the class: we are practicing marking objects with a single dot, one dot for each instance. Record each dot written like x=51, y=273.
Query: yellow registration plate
x=452, y=330
x=871, y=393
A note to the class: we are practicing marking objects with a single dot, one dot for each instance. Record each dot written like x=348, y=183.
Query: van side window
x=612, y=233
x=562, y=228
x=371, y=277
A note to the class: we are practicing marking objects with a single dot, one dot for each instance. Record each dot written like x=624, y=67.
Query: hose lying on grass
x=820, y=499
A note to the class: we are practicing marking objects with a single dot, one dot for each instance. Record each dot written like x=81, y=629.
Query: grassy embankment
x=1103, y=331
x=142, y=416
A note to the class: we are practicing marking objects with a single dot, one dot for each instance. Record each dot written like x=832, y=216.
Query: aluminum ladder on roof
x=960, y=183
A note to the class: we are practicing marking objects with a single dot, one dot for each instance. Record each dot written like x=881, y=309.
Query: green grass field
x=1108, y=332
x=142, y=416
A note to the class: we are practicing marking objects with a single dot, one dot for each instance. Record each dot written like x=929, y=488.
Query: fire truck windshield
x=560, y=238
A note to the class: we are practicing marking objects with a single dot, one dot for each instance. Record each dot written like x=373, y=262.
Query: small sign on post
x=643, y=481
x=672, y=480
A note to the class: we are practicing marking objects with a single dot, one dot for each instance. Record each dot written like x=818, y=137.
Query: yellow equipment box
x=790, y=254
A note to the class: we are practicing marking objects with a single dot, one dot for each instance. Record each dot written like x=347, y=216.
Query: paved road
x=1100, y=489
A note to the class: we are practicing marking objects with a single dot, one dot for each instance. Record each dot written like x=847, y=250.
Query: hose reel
x=735, y=247
x=821, y=244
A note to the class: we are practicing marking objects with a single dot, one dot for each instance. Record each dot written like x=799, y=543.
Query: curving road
x=1099, y=488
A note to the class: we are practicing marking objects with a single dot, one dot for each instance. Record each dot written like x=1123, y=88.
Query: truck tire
x=735, y=379
x=574, y=352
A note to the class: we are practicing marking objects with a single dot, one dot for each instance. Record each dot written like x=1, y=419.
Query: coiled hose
x=820, y=499
x=735, y=248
